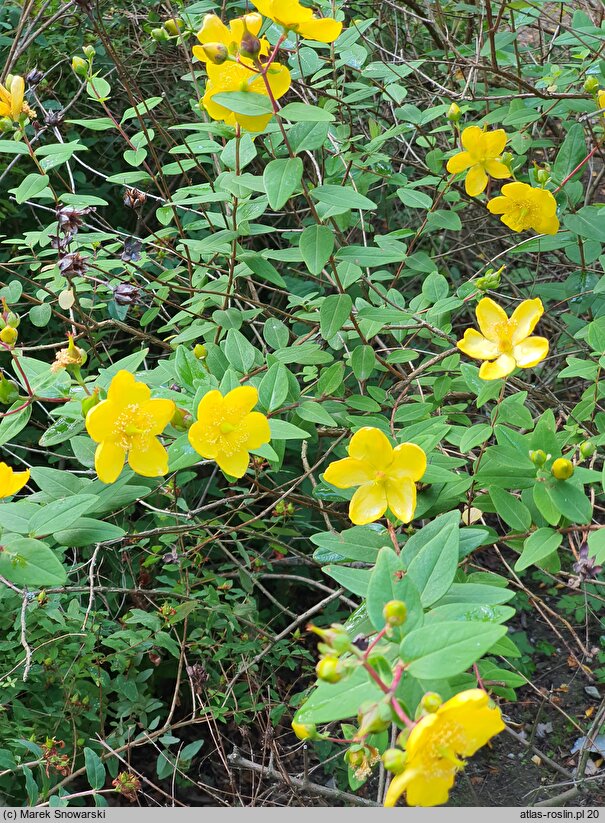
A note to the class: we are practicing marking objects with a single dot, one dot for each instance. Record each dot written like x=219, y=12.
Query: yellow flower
x=523, y=207
x=385, y=476
x=232, y=76
x=227, y=429
x=12, y=102
x=601, y=99
x=457, y=729
x=505, y=341
x=11, y=481
x=293, y=17
x=481, y=157
x=127, y=424
x=214, y=31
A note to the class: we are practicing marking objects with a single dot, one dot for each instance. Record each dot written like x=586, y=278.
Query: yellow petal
x=479, y=722
x=257, y=428
x=214, y=31
x=239, y=402
x=17, y=91
x=459, y=162
x=125, y=390
x=547, y=225
x=253, y=23
x=401, y=498
x=397, y=787
x=5, y=96
x=530, y=352
x=290, y=12
x=148, y=457
x=109, y=461
x=476, y=181
x=476, y=345
x=409, y=461
x=156, y=414
x=11, y=481
x=499, y=205
x=426, y=789
x=279, y=80
x=101, y=420
x=349, y=472
x=203, y=441
x=368, y=504
x=497, y=169
x=233, y=464
x=516, y=191
x=324, y=30
x=492, y=319
x=494, y=143
x=210, y=407
x=372, y=446
x=504, y=365
x=524, y=319
x=264, y=6
x=472, y=140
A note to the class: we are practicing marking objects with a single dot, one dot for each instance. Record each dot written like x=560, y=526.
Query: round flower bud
x=431, y=702
x=395, y=613
x=591, y=84
x=9, y=335
x=173, y=26
x=587, y=448
x=394, y=760
x=562, y=468
x=199, y=351
x=304, y=731
x=543, y=176
x=6, y=124
x=90, y=402
x=538, y=457
x=249, y=45
x=79, y=66
x=12, y=319
x=181, y=420
x=329, y=669
x=216, y=53
x=453, y=113
x=160, y=35
x=89, y=51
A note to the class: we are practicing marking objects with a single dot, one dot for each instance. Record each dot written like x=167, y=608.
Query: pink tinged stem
x=578, y=167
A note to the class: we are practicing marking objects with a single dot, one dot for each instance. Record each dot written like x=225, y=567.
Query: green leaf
x=16, y=516
x=414, y=199
x=273, y=388
x=282, y=430
x=316, y=245
x=95, y=770
x=30, y=187
x=244, y=102
x=13, y=422
x=355, y=580
x=588, y=222
x=514, y=513
x=547, y=508
x=342, y=196
x=571, y=501
x=360, y=543
x=363, y=361
x=334, y=312
x=239, y=351
x=338, y=701
x=537, y=546
x=388, y=582
x=571, y=153
x=303, y=112
x=60, y=514
x=27, y=562
x=282, y=178
x=98, y=89
x=431, y=557
x=87, y=531
x=13, y=147
x=447, y=649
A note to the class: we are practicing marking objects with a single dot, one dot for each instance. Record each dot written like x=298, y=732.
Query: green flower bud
x=181, y=420
x=6, y=124
x=587, y=448
x=395, y=613
x=330, y=669
x=173, y=25
x=249, y=46
x=160, y=35
x=89, y=51
x=304, y=731
x=543, y=176
x=79, y=66
x=199, y=351
x=336, y=638
x=591, y=84
x=538, y=457
x=12, y=319
x=453, y=113
x=90, y=402
x=402, y=738
x=431, y=702
x=216, y=53
x=373, y=717
x=562, y=468
x=394, y=760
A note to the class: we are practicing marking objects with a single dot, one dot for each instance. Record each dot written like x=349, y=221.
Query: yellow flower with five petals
x=227, y=429
x=11, y=481
x=292, y=16
x=12, y=101
x=481, y=156
x=524, y=207
x=215, y=31
x=127, y=424
x=386, y=476
x=506, y=342
x=458, y=728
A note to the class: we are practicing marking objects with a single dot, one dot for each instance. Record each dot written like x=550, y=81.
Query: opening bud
x=89, y=402
x=89, y=52
x=216, y=53
x=538, y=457
x=181, y=420
x=304, y=731
x=173, y=25
x=562, y=468
x=336, y=638
x=395, y=613
x=330, y=669
x=79, y=66
x=394, y=760
x=453, y=113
